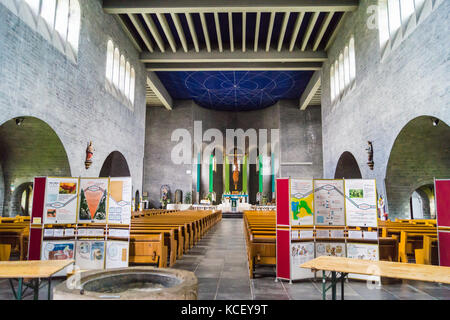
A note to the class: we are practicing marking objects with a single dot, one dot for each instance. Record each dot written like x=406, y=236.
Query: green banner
x=211, y=173
x=199, y=168
x=244, y=175
x=260, y=159
x=227, y=176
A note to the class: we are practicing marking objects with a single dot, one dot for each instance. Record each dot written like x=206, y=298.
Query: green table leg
x=324, y=286
x=333, y=285
x=342, y=285
x=49, y=287
x=36, y=289
x=19, y=289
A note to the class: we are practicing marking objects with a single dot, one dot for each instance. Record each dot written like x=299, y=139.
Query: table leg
x=342, y=285
x=324, y=285
x=333, y=285
x=36, y=289
x=19, y=289
x=49, y=287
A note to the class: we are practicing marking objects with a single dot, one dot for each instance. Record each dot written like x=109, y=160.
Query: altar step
x=237, y=215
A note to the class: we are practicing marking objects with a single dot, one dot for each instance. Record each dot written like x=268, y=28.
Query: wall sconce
x=435, y=122
x=369, y=150
x=89, y=155
x=19, y=121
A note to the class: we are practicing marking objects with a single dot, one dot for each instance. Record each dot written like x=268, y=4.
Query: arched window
x=332, y=83
x=122, y=74
x=132, y=85
x=34, y=5
x=336, y=79
x=407, y=9
x=48, y=12
x=116, y=67
x=346, y=67
x=341, y=74
x=395, y=21
x=62, y=18
x=73, y=33
x=383, y=22
x=127, y=80
x=352, y=59
x=109, y=61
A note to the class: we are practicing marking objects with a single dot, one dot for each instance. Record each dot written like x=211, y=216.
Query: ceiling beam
x=160, y=91
x=133, y=38
x=309, y=29
x=310, y=91
x=335, y=31
x=205, y=31
x=283, y=30
x=323, y=28
x=141, y=30
x=269, y=32
x=192, y=30
x=244, y=22
x=165, y=26
x=180, y=31
x=258, y=22
x=219, y=34
x=227, y=56
x=154, y=31
x=234, y=66
x=184, y=6
x=230, y=30
x=297, y=25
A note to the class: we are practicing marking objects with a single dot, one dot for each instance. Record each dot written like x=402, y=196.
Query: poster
x=335, y=249
x=57, y=250
x=301, y=202
x=116, y=254
x=329, y=202
x=60, y=200
x=119, y=209
x=301, y=252
x=93, y=200
x=361, y=203
x=90, y=254
x=364, y=252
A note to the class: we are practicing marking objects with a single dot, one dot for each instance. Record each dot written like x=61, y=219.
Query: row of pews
x=399, y=240
x=14, y=233
x=162, y=236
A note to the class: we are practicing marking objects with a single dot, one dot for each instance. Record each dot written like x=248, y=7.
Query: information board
x=93, y=200
x=301, y=202
x=90, y=254
x=301, y=252
x=116, y=254
x=362, y=251
x=60, y=206
x=361, y=203
x=329, y=202
x=335, y=249
x=120, y=197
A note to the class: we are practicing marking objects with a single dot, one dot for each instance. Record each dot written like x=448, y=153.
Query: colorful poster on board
x=335, y=249
x=301, y=202
x=57, y=250
x=60, y=200
x=119, y=211
x=93, y=200
x=90, y=254
x=329, y=202
x=301, y=252
x=116, y=254
x=362, y=251
x=361, y=203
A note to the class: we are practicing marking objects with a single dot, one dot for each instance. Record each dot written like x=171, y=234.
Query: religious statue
x=235, y=171
x=369, y=150
x=89, y=155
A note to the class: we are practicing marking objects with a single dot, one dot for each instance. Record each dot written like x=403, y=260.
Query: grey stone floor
x=219, y=261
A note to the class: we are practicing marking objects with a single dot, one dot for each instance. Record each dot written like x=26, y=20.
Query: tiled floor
x=219, y=261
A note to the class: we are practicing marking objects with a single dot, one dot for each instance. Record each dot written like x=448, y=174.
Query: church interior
x=225, y=150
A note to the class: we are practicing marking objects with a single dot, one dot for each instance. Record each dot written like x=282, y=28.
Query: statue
x=235, y=171
x=369, y=150
x=164, y=196
x=89, y=155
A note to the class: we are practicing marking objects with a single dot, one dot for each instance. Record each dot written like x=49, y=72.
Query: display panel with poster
x=329, y=202
x=93, y=200
x=58, y=250
x=361, y=203
x=300, y=253
x=116, y=254
x=60, y=200
x=301, y=202
x=335, y=249
x=362, y=251
x=90, y=254
x=120, y=197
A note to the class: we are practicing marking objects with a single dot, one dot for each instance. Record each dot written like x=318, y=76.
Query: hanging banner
x=90, y=254
x=361, y=203
x=329, y=202
x=116, y=254
x=335, y=249
x=301, y=202
x=120, y=197
x=301, y=252
x=93, y=200
x=60, y=200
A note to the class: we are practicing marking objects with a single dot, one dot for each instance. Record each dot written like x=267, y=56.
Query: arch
x=420, y=153
x=23, y=198
x=122, y=74
x=422, y=203
x=73, y=32
x=347, y=167
x=115, y=165
x=28, y=150
x=109, y=60
x=352, y=58
x=132, y=85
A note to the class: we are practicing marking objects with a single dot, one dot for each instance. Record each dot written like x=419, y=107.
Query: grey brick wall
x=38, y=80
x=412, y=81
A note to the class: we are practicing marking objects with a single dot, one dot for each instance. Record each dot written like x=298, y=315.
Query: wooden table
x=344, y=266
x=34, y=270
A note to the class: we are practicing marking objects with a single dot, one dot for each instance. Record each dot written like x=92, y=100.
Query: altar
x=236, y=203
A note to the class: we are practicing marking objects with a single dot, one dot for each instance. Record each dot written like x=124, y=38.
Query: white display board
x=335, y=249
x=329, y=202
x=362, y=251
x=300, y=253
x=58, y=250
x=120, y=197
x=301, y=202
x=116, y=254
x=93, y=200
x=60, y=200
x=90, y=254
x=361, y=203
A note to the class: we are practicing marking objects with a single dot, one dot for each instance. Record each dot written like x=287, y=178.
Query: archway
x=23, y=198
x=422, y=203
x=115, y=165
x=347, y=167
x=29, y=147
x=420, y=153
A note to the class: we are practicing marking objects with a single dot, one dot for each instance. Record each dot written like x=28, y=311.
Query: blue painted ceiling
x=235, y=90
